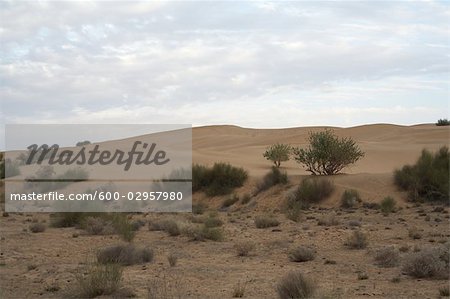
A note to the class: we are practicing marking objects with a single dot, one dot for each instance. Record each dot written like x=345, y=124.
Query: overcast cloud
x=253, y=64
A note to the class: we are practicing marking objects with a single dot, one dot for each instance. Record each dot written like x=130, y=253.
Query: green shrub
x=169, y=226
x=230, y=201
x=266, y=221
x=212, y=222
x=302, y=254
x=310, y=191
x=125, y=255
x=327, y=154
x=428, y=179
x=122, y=225
x=295, y=285
x=278, y=153
x=272, y=178
x=387, y=205
x=202, y=233
x=350, y=198
x=68, y=219
x=221, y=179
x=443, y=122
x=99, y=280
x=357, y=240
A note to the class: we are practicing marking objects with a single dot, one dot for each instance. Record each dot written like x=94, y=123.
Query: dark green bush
x=327, y=154
x=428, y=179
x=387, y=205
x=350, y=198
x=272, y=178
x=443, y=122
x=309, y=191
x=221, y=179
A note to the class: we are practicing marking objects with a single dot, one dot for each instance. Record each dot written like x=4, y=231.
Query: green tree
x=278, y=153
x=327, y=154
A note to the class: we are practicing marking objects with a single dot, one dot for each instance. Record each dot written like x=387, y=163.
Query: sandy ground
x=43, y=265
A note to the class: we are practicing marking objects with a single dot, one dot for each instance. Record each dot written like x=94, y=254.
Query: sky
x=254, y=64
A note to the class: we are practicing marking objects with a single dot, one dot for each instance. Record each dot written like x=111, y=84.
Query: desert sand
x=43, y=265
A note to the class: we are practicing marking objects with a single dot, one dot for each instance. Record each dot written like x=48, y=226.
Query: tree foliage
x=278, y=153
x=443, y=122
x=327, y=154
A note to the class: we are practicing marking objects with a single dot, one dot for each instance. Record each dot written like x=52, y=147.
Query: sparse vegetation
x=272, y=178
x=301, y=254
x=358, y=240
x=443, y=122
x=328, y=220
x=387, y=205
x=202, y=233
x=170, y=226
x=327, y=154
x=244, y=248
x=199, y=208
x=387, y=257
x=428, y=179
x=350, y=198
x=309, y=191
x=125, y=255
x=221, y=179
x=444, y=291
x=264, y=221
x=37, y=227
x=295, y=285
x=430, y=262
x=278, y=153
x=239, y=290
x=414, y=233
x=99, y=280
x=230, y=201
x=8, y=168
x=172, y=258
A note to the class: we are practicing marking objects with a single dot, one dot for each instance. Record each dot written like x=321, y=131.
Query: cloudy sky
x=252, y=64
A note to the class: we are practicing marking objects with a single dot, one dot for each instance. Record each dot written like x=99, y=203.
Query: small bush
x=169, y=226
x=8, y=168
x=246, y=199
x=68, y=219
x=199, y=208
x=387, y=257
x=202, y=233
x=272, y=178
x=295, y=285
x=230, y=201
x=357, y=240
x=328, y=220
x=37, y=227
x=239, y=290
x=387, y=205
x=443, y=122
x=350, y=198
x=266, y=221
x=310, y=191
x=278, y=153
x=212, y=222
x=428, y=179
x=327, y=154
x=123, y=227
x=244, y=248
x=444, y=291
x=363, y=276
x=172, y=259
x=97, y=226
x=221, y=179
x=428, y=263
x=125, y=255
x=414, y=233
x=301, y=254
x=99, y=280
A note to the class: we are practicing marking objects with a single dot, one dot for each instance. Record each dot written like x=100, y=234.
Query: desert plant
x=350, y=198
x=97, y=226
x=99, y=280
x=37, y=227
x=212, y=221
x=272, y=178
x=264, y=221
x=125, y=255
x=244, y=248
x=301, y=254
x=230, y=201
x=8, y=168
x=428, y=179
x=327, y=154
x=430, y=262
x=202, y=233
x=295, y=285
x=358, y=240
x=122, y=225
x=443, y=122
x=414, y=233
x=172, y=258
x=444, y=291
x=68, y=219
x=387, y=257
x=246, y=199
x=239, y=290
x=309, y=191
x=199, y=208
x=170, y=226
x=387, y=205
x=328, y=220
x=221, y=179
x=83, y=143
x=278, y=153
